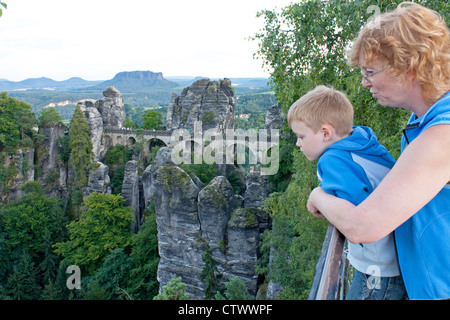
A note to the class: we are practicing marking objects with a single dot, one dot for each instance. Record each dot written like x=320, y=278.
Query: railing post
x=326, y=281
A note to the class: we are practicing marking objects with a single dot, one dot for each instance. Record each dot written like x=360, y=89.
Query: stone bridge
x=219, y=146
x=113, y=136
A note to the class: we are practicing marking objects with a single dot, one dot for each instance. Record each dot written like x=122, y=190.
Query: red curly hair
x=413, y=39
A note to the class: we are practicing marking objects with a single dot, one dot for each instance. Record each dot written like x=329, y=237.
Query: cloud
x=95, y=39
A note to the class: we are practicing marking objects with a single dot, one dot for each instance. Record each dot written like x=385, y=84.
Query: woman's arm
x=420, y=173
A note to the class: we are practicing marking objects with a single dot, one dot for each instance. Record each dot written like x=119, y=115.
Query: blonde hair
x=323, y=105
x=410, y=38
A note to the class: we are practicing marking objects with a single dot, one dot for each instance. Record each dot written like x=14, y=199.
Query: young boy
x=351, y=165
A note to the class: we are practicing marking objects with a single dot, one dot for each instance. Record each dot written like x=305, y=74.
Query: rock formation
x=111, y=108
x=244, y=230
x=274, y=118
x=191, y=217
x=132, y=192
x=99, y=180
x=22, y=164
x=106, y=112
x=211, y=102
x=257, y=190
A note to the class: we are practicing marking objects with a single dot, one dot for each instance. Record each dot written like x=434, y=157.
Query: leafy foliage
x=235, y=290
x=204, y=171
x=152, y=120
x=28, y=229
x=111, y=276
x=32, y=228
x=144, y=255
x=80, y=145
x=49, y=117
x=17, y=123
x=21, y=283
x=25, y=221
x=102, y=227
x=210, y=273
x=175, y=289
x=116, y=158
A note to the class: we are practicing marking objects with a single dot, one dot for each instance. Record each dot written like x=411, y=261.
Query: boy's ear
x=327, y=132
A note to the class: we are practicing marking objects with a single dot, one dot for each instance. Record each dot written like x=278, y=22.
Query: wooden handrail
x=328, y=274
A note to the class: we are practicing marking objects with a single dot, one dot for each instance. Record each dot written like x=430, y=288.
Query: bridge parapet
x=131, y=131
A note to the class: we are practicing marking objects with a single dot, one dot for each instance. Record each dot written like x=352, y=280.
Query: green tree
x=130, y=123
x=175, y=289
x=32, y=222
x=80, y=145
x=144, y=255
x=50, y=291
x=210, y=273
x=50, y=263
x=104, y=225
x=31, y=225
x=235, y=290
x=49, y=117
x=152, y=120
x=112, y=276
x=17, y=123
x=23, y=282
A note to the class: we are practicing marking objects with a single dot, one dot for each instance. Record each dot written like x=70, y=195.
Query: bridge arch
x=107, y=141
x=131, y=141
x=151, y=144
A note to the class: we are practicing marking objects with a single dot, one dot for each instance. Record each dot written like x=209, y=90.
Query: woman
x=405, y=61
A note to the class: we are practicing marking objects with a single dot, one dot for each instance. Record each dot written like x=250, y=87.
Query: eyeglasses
x=371, y=74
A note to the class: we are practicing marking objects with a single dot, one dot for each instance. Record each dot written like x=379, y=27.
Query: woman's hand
x=310, y=204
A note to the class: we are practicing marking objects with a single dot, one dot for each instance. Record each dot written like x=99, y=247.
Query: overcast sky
x=96, y=39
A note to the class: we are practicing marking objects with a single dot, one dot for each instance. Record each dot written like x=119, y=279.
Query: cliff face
x=192, y=217
x=52, y=171
x=211, y=102
x=21, y=167
x=132, y=192
x=179, y=230
x=274, y=118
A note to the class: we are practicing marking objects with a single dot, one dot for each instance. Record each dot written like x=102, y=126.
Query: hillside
x=43, y=83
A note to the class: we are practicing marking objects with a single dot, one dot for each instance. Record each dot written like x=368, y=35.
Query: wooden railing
x=330, y=274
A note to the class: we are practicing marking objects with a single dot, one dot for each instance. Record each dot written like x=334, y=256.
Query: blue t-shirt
x=423, y=241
